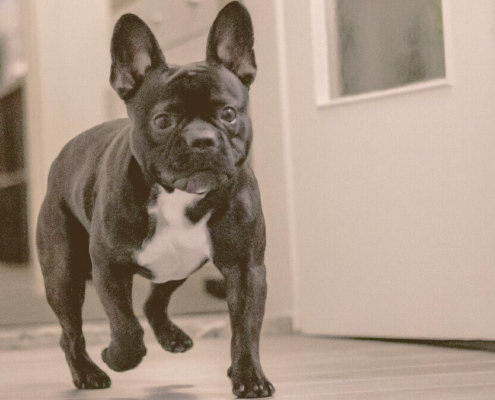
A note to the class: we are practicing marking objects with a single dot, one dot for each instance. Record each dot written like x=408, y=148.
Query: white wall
x=67, y=83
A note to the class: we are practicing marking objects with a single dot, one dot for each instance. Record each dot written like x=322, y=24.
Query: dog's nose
x=203, y=143
x=202, y=140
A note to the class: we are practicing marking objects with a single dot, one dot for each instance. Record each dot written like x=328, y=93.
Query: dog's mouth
x=199, y=182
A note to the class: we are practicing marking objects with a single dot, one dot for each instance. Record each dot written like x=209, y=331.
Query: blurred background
x=374, y=149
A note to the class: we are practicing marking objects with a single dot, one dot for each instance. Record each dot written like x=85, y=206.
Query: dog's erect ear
x=135, y=50
x=231, y=41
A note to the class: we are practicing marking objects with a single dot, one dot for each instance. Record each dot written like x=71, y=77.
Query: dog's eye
x=228, y=115
x=163, y=121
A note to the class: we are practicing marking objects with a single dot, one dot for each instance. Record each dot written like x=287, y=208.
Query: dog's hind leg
x=169, y=335
x=64, y=257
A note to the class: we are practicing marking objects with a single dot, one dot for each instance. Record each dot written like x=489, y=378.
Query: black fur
x=95, y=215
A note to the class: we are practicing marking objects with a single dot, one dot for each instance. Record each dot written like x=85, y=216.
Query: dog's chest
x=178, y=247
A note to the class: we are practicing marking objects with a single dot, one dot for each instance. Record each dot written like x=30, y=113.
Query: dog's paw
x=174, y=339
x=91, y=377
x=122, y=359
x=250, y=384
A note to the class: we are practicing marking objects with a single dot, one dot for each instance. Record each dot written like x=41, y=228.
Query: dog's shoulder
x=80, y=164
x=87, y=147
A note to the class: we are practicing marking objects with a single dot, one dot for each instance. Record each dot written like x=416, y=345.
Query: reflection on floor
x=299, y=367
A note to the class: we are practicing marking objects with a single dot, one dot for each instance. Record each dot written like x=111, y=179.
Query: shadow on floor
x=170, y=392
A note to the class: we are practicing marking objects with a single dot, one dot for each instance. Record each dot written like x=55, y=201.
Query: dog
x=160, y=194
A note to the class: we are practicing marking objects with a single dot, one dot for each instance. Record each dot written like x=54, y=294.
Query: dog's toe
x=92, y=378
x=254, y=391
x=175, y=340
x=98, y=381
x=250, y=385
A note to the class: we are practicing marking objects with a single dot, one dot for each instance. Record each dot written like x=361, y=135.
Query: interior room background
x=374, y=149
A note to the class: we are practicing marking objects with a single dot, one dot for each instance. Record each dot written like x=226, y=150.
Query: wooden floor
x=300, y=368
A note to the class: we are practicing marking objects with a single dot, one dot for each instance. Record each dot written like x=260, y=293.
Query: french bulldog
x=160, y=194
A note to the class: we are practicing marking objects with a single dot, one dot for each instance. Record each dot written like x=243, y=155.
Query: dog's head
x=191, y=128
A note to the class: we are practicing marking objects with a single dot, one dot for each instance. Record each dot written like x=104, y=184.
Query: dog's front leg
x=114, y=286
x=246, y=295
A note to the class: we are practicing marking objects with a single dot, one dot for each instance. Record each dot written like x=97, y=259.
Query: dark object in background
x=13, y=188
x=13, y=224
x=11, y=132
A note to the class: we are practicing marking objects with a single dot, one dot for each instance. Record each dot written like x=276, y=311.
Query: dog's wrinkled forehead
x=192, y=72
x=192, y=85
x=191, y=89
x=198, y=84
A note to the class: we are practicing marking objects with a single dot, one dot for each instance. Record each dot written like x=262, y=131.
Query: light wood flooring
x=299, y=367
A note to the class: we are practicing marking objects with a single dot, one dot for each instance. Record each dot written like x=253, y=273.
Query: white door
x=392, y=149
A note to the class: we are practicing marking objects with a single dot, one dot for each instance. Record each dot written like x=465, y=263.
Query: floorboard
x=299, y=367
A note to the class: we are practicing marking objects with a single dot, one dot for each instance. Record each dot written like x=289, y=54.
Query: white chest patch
x=178, y=247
